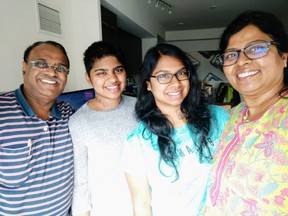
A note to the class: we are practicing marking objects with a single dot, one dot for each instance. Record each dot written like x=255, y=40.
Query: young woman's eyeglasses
x=43, y=65
x=167, y=77
x=253, y=51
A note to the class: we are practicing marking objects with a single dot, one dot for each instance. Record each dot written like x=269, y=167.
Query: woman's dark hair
x=53, y=43
x=194, y=107
x=267, y=23
x=101, y=49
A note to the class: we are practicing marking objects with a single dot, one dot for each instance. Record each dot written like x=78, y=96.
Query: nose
x=113, y=77
x=242, y=58
x=52, y=68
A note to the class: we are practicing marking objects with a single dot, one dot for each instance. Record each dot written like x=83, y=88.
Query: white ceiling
x=204, y=14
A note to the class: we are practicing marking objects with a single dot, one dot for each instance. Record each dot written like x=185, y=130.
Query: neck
x=259, y=105
x=41, y=106
x=176, y=117
x=41, y=110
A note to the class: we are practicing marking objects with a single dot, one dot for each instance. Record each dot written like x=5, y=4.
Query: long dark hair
x=268, y=24
x=194, y=107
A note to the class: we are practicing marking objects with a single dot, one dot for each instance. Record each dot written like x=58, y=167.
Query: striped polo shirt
x=36, y=158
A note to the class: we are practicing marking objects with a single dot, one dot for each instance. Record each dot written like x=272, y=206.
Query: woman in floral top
x=250, y=173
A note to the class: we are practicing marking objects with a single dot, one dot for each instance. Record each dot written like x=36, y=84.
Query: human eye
x=41, y=64
x=61, y=69
x=256, y=48
x=101, y=73
x=163, y=76
x=119, y=70
x=182, y=73
x=230, y=56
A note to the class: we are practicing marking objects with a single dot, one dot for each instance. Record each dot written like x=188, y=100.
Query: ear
x=88, y=79
x=285, y=59
x=148, y=85
x=24, y=68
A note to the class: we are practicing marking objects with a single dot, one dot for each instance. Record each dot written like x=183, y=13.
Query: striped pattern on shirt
x=36, y=158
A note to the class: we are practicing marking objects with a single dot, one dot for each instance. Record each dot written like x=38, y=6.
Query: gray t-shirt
x=98, y=137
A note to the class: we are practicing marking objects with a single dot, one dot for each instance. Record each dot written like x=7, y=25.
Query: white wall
x=81, y=25
x=147, y=43
x=200, y=34
x=195, y=40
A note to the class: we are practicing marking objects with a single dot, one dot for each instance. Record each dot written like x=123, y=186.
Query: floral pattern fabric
x=250, y=171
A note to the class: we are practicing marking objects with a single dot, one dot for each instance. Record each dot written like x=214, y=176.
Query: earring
x=285, y=64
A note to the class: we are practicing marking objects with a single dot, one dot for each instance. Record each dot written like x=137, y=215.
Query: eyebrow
x=120, y=66
x=45, y=60
x=104, y=69
x=167, y=71
x=248, y=44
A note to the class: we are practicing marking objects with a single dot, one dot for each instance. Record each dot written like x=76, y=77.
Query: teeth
x=174, y=93
x=241, y=75
x=48, y=81
x=112, y=87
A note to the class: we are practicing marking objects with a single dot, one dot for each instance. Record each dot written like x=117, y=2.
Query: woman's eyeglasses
x=167, y=77
x=253, y=51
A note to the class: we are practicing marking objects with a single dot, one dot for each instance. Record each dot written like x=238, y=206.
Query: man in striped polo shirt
x=36, y=155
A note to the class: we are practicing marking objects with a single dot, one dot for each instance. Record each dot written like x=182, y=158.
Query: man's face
x=44, y=85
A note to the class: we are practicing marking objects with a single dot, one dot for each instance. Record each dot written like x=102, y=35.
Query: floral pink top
x=250, y=171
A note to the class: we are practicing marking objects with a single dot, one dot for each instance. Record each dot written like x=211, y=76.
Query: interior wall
x=207, y=72
x=81, y=25
x=81, y=22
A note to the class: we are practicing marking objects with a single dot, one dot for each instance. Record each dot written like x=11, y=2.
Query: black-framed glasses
x=167, y=77
x=43, y=65
x=253, y=51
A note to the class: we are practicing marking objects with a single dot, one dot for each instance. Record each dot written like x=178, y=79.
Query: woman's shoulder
x=129, y=99
x=80, y=113
x=138, y=131
x=218, y=111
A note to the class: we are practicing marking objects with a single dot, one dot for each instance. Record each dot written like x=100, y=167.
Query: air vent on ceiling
x=49, y=19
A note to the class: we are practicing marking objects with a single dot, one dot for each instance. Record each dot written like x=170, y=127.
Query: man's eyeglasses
x=43, y=65
x=253, y=51
x=167, y=77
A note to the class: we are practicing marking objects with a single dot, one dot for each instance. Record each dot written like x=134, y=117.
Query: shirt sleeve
x=132, y=161
x=81, y=194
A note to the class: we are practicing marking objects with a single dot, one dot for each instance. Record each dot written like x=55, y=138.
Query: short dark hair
x=53, y=43
x=101, y=49
x=266, y=22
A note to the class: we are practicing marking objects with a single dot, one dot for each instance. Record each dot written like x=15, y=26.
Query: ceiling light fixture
x=157, y=4
x=162, y=5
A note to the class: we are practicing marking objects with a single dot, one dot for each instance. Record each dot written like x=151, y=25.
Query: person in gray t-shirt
x=99, y=129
